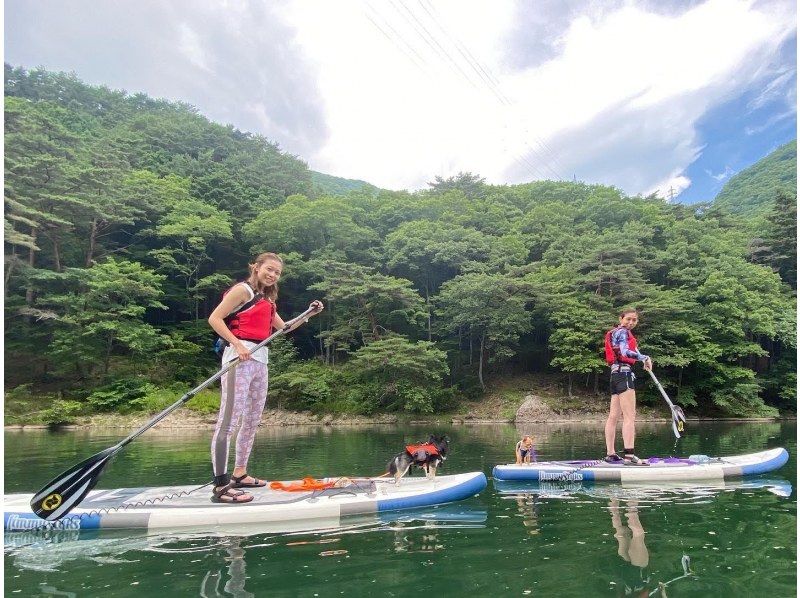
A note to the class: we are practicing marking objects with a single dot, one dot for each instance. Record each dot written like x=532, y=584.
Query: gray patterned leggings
x=244, y=394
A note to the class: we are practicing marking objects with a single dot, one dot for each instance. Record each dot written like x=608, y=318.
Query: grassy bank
x=25, y=408
x=542, y=397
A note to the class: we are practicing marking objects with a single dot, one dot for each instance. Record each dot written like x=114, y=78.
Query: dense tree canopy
x=126, y=217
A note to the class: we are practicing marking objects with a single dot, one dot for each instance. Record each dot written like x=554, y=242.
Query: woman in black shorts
x=621, y=354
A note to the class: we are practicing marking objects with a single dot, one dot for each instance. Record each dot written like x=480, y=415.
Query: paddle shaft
x=185, y=398
x=677, y=412
x=661, y=390
x=59, y=496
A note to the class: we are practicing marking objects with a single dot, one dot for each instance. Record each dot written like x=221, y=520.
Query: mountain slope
x=325, y=184
x=754, y=189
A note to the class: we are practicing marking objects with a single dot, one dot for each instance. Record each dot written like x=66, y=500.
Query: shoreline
x=280, y=418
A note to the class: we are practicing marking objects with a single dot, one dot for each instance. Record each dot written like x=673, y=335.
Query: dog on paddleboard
x=426, y=455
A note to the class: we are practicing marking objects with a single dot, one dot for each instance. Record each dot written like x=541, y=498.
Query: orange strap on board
x=304, y=486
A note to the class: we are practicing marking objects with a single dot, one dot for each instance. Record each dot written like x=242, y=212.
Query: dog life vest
x=613, y=354
x=254, y=322
x=421, y=452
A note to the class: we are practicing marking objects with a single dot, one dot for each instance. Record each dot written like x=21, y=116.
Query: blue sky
x=644, y=95
x=740, y=132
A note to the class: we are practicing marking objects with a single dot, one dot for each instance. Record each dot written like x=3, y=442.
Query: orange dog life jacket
x=420, y=452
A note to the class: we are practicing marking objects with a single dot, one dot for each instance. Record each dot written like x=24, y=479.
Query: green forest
x=126, y=217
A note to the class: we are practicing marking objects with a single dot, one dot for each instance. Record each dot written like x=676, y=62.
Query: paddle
x=60, y=495
x=677, y=413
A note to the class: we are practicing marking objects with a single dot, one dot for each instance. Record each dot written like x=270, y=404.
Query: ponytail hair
x=268, y=292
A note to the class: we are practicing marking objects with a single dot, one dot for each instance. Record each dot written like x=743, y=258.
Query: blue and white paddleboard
x=659, y=469
x=146, y=508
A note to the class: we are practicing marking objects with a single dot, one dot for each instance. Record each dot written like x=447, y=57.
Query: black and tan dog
x=428, y=455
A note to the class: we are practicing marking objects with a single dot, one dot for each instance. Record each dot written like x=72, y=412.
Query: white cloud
x=725, y=174
x=772, y=120
x=778, y=88
x=670, y=187
x=398, y=91
x=404, y=102
x=236, y=60
x=401, y=102
x=189, y=44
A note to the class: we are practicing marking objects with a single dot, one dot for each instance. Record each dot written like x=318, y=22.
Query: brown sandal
x=229, y=496
x=236, y=482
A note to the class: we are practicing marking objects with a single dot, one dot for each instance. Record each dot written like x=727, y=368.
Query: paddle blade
x=63, y=493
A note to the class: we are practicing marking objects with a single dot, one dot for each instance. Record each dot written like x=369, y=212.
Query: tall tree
x=428, y=253
x=307, y=226
x=472, y=185
x=779, y=247
x=103, y=309
x=491, y=307
x=188, y=229
x=365, y=306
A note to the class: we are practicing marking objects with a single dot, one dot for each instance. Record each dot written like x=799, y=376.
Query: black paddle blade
x=63, y=493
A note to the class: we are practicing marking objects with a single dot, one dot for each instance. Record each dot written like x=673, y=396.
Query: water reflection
x=528, y=509
x=52, y=591
x=237, y=574
x=547, y=540
x=648, y=494
x=412, y=531
x=545, y=507
x=633, y=575
x=631, y=546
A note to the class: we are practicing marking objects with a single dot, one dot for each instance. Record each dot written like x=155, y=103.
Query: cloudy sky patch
x=647, y=96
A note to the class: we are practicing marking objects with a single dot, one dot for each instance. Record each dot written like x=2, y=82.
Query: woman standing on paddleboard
x=245, y=317
x=621, y=354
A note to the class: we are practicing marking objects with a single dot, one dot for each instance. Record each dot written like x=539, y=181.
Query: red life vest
x=254, y=323
x=612, y=353
x=420, y=452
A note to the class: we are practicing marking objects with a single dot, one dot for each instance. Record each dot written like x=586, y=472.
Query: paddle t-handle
x=63, y=493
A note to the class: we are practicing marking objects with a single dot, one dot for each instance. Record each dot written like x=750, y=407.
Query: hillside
x=326, y=184
x=753, y=190
x=127, y=217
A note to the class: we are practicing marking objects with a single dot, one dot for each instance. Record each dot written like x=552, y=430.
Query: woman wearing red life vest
x=621, y=354
x=245, y=317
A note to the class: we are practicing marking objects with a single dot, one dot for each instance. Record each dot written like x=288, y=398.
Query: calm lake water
x=565, y=540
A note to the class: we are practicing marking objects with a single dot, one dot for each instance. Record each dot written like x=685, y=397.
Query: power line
x=493, y=85
x=438, y=49
x=485, y=75
x=395, y=42
x=468, y=57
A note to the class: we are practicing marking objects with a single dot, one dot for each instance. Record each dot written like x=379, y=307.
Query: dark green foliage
x=778, y=248
x=61, y=412
x=405, y=372
x=309, y=385
x=123, y=395
x=127, y=217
